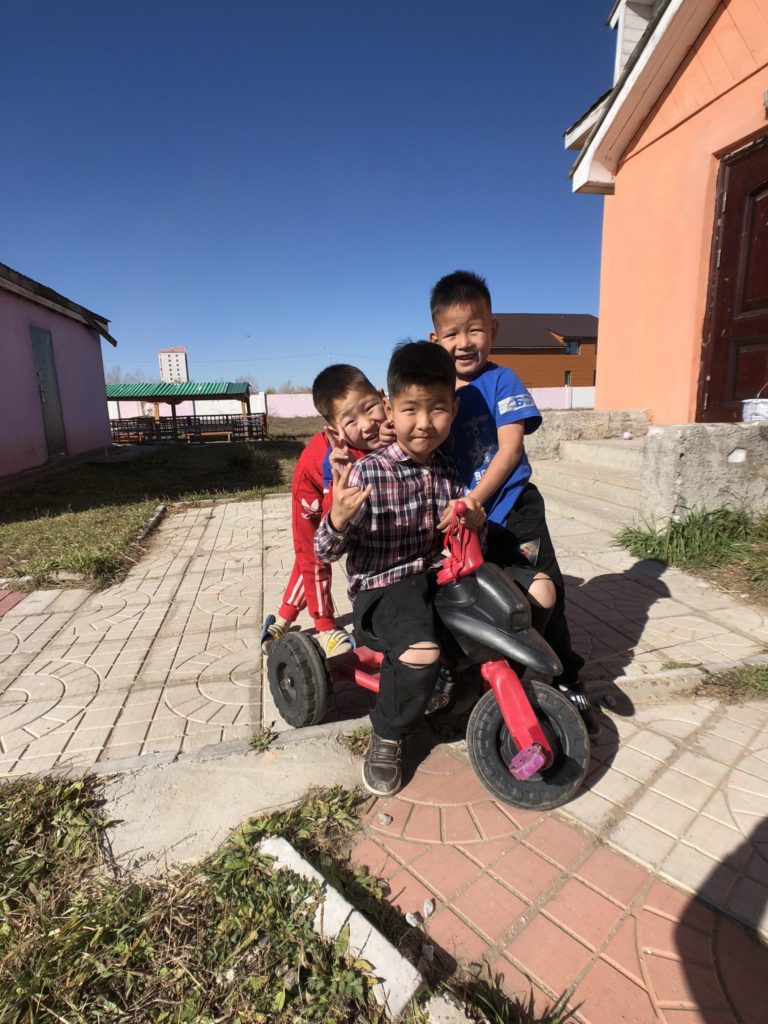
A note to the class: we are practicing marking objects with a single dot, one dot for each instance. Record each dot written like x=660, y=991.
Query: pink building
x=52, y=400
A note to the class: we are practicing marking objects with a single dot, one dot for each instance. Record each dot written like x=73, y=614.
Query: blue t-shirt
x=493, y=399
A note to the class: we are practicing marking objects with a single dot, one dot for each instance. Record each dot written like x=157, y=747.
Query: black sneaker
x=383, y=766
x=442, y=695
x=576, y=695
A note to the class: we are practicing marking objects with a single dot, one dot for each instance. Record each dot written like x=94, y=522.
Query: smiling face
x=422, y=417
x=466, y=333
x=357, y=418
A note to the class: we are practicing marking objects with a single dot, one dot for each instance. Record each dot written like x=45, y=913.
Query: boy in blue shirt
x=487, y=443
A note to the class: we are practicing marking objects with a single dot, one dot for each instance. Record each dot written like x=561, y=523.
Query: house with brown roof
x=679, y=149
x=548, y=350
x=52, y=400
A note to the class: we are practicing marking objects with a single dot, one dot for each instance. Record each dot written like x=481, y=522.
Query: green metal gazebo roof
x=165, y=392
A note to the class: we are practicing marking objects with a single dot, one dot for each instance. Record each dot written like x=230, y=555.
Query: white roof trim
x=576, y=137
x=677, y=30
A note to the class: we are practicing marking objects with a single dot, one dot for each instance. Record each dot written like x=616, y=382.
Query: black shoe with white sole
x=576, y=695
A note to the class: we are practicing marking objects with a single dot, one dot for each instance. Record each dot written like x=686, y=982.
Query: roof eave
x=575, y=136
x=670, y=35
x=26, y=288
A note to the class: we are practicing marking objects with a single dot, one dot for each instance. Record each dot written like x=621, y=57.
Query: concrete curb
x=9, y=582
x=667, y=684
x=154, y=521
x=398, y=980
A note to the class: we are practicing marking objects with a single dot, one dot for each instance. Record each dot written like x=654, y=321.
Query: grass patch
x=727, y=546
x=302, y=427
x=263, y=739
x=223, y=942
x=85, y=519
x=482, y=994
x=745, y=683
x=357, y=742
x=228, y=941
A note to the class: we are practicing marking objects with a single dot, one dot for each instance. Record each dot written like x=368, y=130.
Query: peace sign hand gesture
x=339, y=455
x=347, y=500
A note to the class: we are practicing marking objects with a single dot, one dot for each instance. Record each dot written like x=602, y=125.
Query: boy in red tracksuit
x=353, y=411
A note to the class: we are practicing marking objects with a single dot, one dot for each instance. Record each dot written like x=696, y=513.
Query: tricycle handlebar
x=464, y=552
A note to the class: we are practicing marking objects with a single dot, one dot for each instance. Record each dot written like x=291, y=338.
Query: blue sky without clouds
x=277, y=185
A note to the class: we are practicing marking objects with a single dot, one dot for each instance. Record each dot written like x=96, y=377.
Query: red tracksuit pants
x=310, y=583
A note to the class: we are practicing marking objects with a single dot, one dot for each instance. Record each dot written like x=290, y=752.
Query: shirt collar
x=396, y=453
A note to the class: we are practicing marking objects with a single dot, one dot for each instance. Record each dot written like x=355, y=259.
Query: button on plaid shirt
x=394, y=533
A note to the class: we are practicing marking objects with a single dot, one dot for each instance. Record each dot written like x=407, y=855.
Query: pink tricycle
x=526, y=741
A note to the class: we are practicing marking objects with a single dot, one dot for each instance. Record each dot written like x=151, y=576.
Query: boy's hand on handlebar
x=346, y=500
x=474, y=517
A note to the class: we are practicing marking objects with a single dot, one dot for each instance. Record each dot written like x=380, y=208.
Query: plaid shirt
x=394, y=533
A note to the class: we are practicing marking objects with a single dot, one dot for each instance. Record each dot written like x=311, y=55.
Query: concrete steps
x=595, y=482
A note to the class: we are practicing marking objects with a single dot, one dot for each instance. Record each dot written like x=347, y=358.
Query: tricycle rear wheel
x=298, y=679
x=491, y=748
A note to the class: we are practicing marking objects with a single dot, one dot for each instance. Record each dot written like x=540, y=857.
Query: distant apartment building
x=173, y=364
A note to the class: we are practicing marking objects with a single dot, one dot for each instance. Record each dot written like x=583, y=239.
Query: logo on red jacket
x=310, y=510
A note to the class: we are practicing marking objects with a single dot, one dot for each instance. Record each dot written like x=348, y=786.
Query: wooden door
x=734, y=363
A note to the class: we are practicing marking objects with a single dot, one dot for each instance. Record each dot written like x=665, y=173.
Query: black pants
x=527, y=527
x=391, y=619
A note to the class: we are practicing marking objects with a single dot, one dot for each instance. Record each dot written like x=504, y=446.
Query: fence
x=146, y=430
x=289, y=406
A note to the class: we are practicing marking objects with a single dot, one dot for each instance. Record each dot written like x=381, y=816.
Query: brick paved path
x=552, y=907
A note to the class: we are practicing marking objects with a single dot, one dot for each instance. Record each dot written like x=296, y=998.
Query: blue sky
x=279, y=185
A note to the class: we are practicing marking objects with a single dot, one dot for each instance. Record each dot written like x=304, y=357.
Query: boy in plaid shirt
x=387, y=515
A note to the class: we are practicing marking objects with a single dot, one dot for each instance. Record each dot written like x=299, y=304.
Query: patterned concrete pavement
x=163, y=663
x=167, y=661
x=603, y=894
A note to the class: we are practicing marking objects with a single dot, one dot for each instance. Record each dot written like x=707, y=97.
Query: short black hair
x=419, y=364
x=461, y=288
x=334, y=383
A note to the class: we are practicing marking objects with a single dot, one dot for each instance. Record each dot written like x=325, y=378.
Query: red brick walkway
x=550, y=909
x=9, y=599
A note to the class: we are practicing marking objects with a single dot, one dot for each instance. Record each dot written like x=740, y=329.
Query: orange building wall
x=657, y=227
x=547, y=369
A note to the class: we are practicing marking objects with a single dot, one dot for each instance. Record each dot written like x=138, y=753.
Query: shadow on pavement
x=719, y=957
x=608, y=616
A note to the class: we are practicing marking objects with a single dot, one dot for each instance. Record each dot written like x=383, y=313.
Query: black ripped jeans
x=391, y=619
x=526, y=525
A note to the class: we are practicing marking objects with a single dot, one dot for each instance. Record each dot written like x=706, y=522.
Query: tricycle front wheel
x=491, y=748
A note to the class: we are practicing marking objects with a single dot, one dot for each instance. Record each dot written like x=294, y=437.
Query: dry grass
x=228, y=941
x=85, y=520
x=729, y=548
x=748, y=682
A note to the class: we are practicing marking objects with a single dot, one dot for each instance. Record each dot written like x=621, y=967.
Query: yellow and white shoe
x=334, y=641
x=270, y=631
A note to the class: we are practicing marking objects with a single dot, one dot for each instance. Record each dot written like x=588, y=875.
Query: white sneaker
x=334, y=641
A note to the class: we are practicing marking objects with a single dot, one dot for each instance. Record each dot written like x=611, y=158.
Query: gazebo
x=187, y=426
